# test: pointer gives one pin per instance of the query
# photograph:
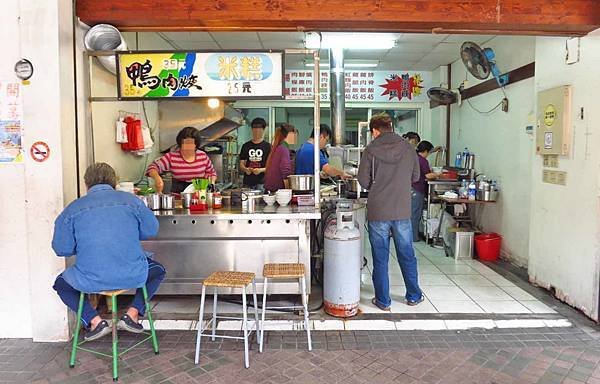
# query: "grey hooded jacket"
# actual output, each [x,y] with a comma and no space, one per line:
[388,168]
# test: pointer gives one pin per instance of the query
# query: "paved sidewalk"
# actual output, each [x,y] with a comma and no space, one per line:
[477,356]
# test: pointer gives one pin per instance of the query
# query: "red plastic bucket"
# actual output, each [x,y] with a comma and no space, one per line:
[487,246]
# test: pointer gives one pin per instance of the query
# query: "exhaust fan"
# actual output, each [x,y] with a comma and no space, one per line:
[105,37]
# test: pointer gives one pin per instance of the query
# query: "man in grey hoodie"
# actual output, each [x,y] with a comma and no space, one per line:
[388,168]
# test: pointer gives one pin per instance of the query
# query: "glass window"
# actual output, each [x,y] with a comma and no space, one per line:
[405,120]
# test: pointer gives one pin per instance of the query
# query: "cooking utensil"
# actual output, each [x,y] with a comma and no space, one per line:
[186,199]
[154,201]
[167,202]
[354,186]
[301,182]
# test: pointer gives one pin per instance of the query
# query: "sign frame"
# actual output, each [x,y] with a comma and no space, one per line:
[224,98]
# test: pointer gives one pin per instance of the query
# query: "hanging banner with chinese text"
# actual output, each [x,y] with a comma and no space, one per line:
[235,75]
[11,123]
[366,86]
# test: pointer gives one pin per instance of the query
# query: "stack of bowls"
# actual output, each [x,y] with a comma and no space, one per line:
[269,199]
[283,196]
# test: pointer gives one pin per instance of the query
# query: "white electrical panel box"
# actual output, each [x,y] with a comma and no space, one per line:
[553,136]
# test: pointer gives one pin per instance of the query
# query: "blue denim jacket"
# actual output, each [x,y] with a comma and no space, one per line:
[103,229]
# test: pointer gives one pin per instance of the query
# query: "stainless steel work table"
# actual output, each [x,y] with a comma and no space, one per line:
[193,245]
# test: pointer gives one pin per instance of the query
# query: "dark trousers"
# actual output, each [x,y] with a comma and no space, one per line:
[70,296]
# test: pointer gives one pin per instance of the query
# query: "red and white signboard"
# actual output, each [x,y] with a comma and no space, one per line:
[39,151]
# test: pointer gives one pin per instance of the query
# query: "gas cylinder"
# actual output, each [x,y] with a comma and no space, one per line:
[342,263]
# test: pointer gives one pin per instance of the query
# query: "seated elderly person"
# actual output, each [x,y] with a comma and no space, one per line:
[103,229]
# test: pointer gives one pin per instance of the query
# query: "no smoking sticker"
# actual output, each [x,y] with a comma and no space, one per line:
[39,151]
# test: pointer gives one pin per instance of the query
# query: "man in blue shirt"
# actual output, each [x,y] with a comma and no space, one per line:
[103,229]
[305,162]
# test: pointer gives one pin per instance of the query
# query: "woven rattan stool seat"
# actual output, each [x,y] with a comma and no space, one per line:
[229,279]
[283,271]
[115,292]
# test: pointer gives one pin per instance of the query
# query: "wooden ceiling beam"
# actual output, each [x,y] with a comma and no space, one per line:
[523,17]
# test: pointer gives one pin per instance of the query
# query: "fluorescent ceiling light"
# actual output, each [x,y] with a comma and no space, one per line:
[347,64]
[348,40]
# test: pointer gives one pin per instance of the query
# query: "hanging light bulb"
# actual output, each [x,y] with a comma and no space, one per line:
[213,103]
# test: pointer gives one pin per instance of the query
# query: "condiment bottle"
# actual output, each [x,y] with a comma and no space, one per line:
[217,201]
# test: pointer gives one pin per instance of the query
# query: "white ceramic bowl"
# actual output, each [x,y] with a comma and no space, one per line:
[269,199]
[283,201]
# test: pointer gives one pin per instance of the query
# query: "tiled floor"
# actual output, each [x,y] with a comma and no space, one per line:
[452,287]
[495,356]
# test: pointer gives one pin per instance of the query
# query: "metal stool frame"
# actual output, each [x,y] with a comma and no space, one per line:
[302,286]
[115,348]
[213,322]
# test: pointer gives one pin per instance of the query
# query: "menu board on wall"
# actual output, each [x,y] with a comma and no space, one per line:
[362,86]
[234,75]
[11,123]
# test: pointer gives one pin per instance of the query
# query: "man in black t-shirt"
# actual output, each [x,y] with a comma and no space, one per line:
[253,156]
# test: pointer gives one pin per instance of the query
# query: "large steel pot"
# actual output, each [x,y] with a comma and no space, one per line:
[301,182]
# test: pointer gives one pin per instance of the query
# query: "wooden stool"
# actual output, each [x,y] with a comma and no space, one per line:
[228,279]
[115,341]
[285,272]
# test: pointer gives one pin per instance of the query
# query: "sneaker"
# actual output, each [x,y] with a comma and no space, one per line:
[415,302]
[127,324]
[102,329]
[376,303]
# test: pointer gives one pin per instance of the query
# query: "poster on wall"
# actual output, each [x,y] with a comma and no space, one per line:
[230,75]
[363,86]
[11,123]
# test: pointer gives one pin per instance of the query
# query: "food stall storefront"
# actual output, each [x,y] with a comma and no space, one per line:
[193,244]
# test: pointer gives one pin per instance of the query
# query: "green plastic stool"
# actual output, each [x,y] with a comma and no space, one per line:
[115,341]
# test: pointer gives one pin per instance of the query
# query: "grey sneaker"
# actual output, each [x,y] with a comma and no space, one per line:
[127,324]
[101,330]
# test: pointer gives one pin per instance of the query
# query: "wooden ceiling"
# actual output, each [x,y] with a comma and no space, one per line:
[522,17]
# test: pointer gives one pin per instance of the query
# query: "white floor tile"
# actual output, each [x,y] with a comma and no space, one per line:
[558,323]
[396,279]
[450,306]
[428,279]
[280,325]
[445,261]
[518,293]
[537,306]
[229,325]
[328,325]
[180,305]
[499,281]
[366,325]
[457,269]
[426,325]
[468,324]
[520,323]
[429,269]
[399,306]
[471,281]
[501,306]
[445,293]
[184,325]
[486,293]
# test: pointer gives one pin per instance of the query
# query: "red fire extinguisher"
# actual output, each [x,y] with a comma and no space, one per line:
[135,139]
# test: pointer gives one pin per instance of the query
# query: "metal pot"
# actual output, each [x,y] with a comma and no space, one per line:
[186,199]
[154,201]
[301,182]
[167,202]
[354,186]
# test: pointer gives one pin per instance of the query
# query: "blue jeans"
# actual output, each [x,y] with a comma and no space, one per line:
[379,236]
[417,212]
[70,296]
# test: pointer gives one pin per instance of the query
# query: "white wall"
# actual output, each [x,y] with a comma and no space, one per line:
[564,249]
[33,193]
[503,150]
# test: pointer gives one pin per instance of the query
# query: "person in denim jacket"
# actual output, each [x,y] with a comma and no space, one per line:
[103,229]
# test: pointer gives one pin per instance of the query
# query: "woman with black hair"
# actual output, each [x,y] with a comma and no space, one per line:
[186,162]
[419,188]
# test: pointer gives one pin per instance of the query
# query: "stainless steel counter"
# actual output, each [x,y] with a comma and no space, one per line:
[193,245]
